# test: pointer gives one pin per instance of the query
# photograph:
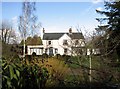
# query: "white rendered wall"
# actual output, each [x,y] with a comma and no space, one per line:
[58,44]
[61,46]
[38,49]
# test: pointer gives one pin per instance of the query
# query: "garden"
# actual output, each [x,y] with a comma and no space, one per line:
[57,72]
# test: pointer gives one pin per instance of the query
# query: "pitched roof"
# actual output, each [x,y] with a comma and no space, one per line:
[55,36]
[76,35]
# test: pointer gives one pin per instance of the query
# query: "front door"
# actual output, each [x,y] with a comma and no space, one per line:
[50,51]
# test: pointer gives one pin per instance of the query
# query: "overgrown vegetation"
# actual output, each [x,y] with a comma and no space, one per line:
[10,51]
[21,75]
[52,72]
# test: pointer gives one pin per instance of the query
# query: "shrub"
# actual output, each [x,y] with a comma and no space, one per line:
[10,75]
[23,75]
[58,56]
[34,76]
[57,69]
[66,57]
[45,55]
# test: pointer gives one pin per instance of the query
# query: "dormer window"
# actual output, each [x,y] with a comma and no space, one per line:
[65,42]
[49,42]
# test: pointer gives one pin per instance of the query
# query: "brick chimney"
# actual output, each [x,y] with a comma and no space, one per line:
[70,30]
[43,30]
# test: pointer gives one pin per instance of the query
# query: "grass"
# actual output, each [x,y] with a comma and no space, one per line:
[84,61]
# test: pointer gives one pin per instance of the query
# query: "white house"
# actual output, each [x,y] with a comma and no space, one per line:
[59,43]
[62,43]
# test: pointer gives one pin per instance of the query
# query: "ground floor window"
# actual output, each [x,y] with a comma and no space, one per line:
[46,50]
[56,50]
[65,50]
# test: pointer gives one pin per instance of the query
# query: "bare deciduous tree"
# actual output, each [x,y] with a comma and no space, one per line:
[27,21]
[7,32]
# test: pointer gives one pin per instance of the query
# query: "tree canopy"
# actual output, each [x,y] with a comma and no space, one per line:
[112,32]
[35,40]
